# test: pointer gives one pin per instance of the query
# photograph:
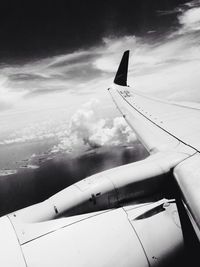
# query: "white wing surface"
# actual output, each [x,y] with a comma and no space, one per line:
[165,126]
[160,125]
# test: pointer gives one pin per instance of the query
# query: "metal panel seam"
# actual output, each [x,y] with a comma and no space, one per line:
[52,231]
[155,123]
[18,240]
[137,237]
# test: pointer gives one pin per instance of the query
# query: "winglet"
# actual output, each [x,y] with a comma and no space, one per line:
[121,75]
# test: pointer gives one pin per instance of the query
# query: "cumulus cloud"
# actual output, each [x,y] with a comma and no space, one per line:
[190,19]
[86,131]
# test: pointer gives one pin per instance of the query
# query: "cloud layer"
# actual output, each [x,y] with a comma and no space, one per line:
[78,71]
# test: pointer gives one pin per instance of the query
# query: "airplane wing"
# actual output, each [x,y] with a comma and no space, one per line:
[164,126]
[160,125]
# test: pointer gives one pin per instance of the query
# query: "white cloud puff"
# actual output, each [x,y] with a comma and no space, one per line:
[190,20]
[86,130]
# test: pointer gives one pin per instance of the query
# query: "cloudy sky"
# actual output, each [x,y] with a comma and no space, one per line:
[58,57]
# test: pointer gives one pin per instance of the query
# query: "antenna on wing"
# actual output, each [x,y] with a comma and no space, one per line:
[121,75]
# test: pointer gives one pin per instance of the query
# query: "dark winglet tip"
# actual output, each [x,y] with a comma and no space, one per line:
[122,72]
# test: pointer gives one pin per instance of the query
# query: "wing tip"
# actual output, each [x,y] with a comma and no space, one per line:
[122,72]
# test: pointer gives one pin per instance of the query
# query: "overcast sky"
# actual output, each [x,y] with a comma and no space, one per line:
[35,29]
[58,55]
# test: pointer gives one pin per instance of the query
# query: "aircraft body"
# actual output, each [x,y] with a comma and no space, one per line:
[132,215]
